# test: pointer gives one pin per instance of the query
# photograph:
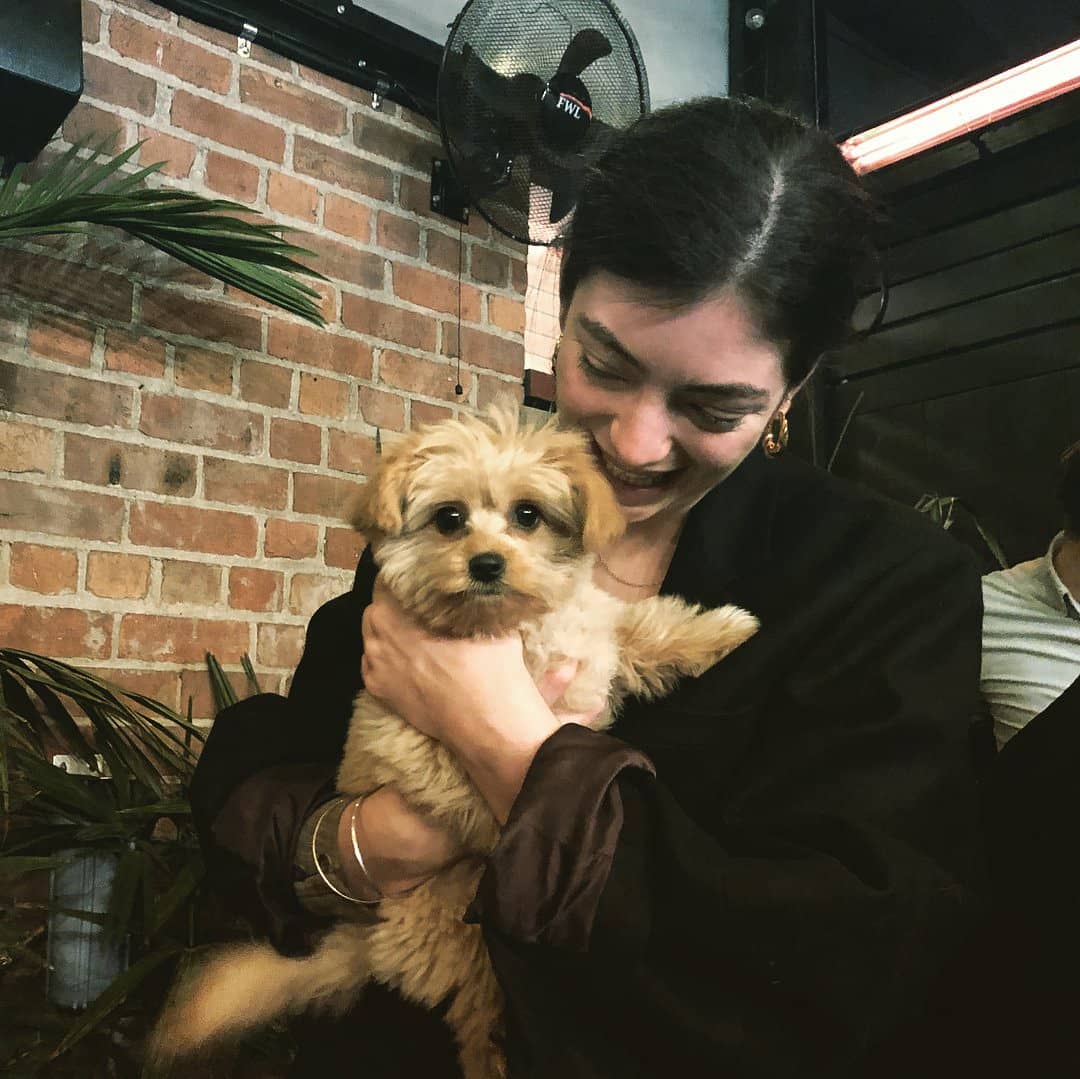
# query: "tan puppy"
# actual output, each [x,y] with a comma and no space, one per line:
[478,526]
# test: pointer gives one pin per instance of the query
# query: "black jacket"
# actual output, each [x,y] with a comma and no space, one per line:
[779,897]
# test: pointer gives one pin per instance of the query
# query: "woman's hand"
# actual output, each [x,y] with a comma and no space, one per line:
[472,694]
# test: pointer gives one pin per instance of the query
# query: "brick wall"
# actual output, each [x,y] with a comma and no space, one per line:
[174,457]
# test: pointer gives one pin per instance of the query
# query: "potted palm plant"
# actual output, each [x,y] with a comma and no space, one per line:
[84,188]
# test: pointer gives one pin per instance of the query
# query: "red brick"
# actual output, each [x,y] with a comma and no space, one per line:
[403,147]
[290,539]
[519,276]
[131,466]
[319,348]
[479,349]
[421,376]
[161,638]
[347,217]
[116,84]
[191,63]
[88,123]
[91,22]
[491,389]
[323,396]
[117,576]
[135,354]
[324,496]
[279,646]
[507,314]
[12,327]
[197,583]
[26,449]
[53,396]
[443,251]
[397,233]
[242,484]
[309,75]
[489,267]
[347,452]
[343,168]
[201,423]
[203,369]
[186,528]
[293,198]
[171,312]
[412,329]
[163,686]
[237,180]
[48,570]
[414,195]
[286,98]
[56,631]
[94,293]
[61,338]
[309,591]
[145,7]
[226,126]
[253,589]
[177,155]
[293,440]
[422,413]
[220,38]
[265,383]
[345,262]
[436,291]
[381,409]
[343,548]
[53,511]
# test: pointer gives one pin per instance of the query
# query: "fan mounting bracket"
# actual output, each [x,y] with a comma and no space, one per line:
[448,197]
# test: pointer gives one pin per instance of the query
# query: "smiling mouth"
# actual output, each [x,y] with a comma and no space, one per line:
[635,479]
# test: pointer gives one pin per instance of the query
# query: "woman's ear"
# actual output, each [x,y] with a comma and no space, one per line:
[377,506]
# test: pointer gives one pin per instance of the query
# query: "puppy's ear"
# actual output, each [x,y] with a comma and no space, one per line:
[594,501]
[377,506]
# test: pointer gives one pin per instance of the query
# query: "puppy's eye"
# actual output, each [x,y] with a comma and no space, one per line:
[449,519]
[526,516]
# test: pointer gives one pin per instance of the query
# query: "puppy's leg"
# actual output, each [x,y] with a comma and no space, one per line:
[243,987]
[475,1016]
[662,638]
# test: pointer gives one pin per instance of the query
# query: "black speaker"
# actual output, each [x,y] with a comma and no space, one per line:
[41,72]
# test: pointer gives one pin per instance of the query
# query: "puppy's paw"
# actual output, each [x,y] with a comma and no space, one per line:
[713,634]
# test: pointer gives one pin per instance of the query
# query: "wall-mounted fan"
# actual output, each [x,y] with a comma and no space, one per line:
[529,93]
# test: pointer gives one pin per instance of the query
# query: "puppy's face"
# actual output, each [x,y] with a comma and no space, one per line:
[476,523]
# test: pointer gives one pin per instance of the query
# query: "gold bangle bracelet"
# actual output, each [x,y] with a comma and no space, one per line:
[319,869]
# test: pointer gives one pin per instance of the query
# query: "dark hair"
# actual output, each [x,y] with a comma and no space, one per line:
[1069,488]
[729,191]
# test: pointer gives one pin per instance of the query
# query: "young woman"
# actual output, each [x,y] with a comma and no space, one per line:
[762,874]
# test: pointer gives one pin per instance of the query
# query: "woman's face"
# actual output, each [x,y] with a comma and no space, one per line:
[673,399]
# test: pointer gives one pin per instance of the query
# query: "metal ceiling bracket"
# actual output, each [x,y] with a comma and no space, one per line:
[246,36]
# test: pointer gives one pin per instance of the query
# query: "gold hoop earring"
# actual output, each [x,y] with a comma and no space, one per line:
[554,374]
[776,435]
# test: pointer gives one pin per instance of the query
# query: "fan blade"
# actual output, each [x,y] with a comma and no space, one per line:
[563,199]
[587,47]
[503,95]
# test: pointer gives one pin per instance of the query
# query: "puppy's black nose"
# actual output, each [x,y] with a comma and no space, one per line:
[488,566]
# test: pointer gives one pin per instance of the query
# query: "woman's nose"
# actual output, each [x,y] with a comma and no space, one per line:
[640,431]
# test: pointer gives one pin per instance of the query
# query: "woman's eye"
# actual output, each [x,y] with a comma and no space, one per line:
[713,421]
[449,519]
[526,516]
[596,371]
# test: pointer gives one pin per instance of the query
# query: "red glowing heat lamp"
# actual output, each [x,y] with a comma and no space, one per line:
[966,111]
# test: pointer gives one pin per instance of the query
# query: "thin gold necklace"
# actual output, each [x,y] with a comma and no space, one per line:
[623,580]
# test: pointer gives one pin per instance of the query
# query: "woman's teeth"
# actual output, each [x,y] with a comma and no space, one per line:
[636,479]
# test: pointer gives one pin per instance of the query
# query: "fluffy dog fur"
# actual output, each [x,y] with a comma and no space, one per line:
[440,497]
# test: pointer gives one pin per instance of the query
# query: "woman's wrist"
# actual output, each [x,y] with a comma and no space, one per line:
[498,750]
[397,849]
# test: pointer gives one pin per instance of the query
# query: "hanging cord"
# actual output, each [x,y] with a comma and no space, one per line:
[460,263]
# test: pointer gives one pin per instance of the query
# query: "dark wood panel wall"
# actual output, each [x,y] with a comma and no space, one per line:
[971,384]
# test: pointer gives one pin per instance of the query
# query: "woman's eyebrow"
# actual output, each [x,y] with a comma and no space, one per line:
[732,391]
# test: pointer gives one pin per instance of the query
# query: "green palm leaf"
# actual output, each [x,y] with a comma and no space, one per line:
[80,190]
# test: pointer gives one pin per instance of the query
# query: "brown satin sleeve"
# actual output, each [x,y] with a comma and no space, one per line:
[253,848]
[545,880]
